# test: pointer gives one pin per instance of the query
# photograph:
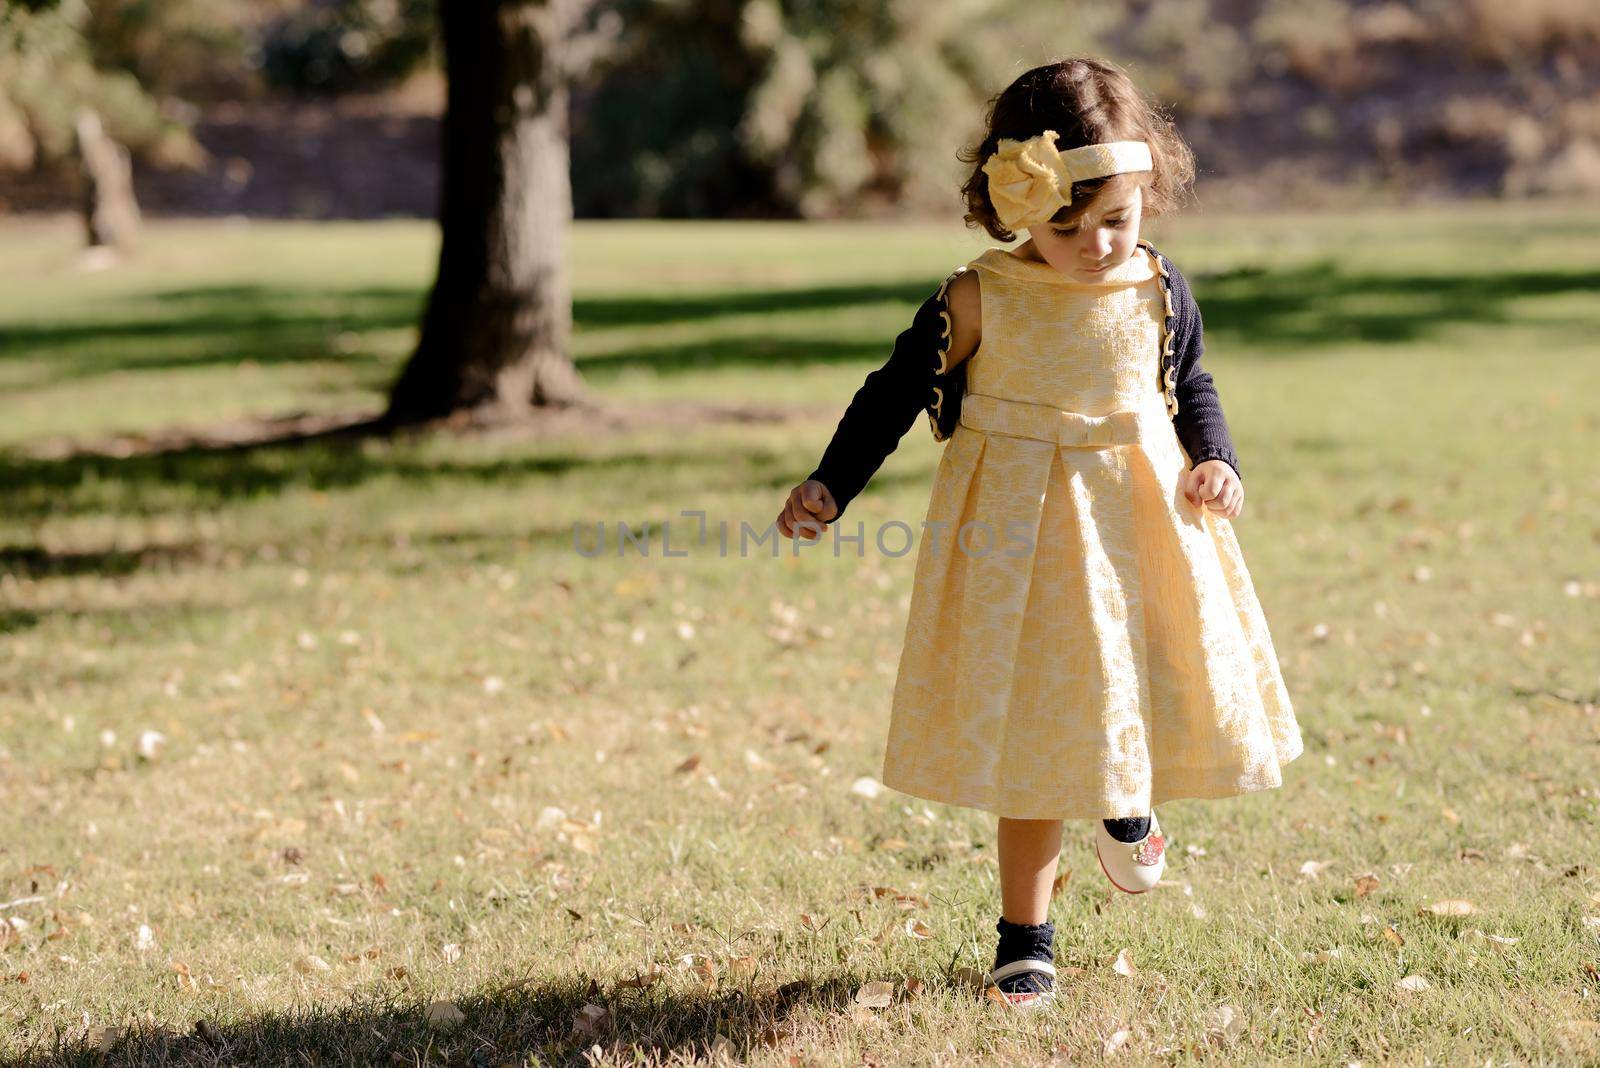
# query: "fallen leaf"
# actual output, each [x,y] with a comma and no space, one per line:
[643,979]
[1452,907]
[1123,965]
[877,994]
[1412,982]
[150,744]
[444,1012]
[866,786]
[1117,1040]
[1494,940]
[107,1037]
[917,929]
[311,963]
[1322,956]
[969,978]
[1313,868]
[591,1020]
[1225,1022]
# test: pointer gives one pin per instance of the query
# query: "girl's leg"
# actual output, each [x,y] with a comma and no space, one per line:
[1029,851]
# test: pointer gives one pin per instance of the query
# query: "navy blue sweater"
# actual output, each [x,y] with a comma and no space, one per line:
[887,403]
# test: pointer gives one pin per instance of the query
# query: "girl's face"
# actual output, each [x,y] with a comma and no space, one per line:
[1102,237]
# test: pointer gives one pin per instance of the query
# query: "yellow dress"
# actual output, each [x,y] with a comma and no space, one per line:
[1082,642]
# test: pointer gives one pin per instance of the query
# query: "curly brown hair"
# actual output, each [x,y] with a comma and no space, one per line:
[1086,101]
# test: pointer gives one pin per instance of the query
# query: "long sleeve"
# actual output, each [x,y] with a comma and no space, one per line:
[885,406]
[1200,423]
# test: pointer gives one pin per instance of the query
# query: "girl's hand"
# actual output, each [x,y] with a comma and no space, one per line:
[1217,485]
[808,501]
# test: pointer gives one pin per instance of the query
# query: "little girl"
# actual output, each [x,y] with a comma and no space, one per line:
[1083,640]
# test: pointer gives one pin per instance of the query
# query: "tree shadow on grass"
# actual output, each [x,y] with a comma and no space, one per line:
[543,1019]
[1289,309]
[166,478]
[1319,304]
[225,325]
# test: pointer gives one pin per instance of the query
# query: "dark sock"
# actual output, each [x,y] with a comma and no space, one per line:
[1130,829]
[1022,941]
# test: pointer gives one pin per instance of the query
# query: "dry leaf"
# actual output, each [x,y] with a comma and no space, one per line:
[1225,1022]
[1116,1041]
[706,971]
[641,979]
[591,1020]
[866,786]
[969,978]
[311,963]
[1498,941]
[444,1012]
[877,994]
[1313,868]
[1123,965]
[812,923]
[150,744]
[1366,883]
[1322,956]
[107,1037]
[1452,907]
[1412,982]
[917,929]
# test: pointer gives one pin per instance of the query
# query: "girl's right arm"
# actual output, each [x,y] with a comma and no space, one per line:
[888,402]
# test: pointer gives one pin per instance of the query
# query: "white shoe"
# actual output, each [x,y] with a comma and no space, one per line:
[1133,867]
[1025,999]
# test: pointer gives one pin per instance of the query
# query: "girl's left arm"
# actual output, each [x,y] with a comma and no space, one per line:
[1200,424]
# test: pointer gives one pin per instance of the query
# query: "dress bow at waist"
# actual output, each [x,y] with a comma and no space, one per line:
[999,415]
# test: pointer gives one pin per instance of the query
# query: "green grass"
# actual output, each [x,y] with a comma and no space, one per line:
[382,668]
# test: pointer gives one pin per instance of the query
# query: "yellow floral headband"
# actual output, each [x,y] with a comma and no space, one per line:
[1029,181]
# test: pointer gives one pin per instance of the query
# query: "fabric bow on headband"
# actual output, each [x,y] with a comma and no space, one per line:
[1029,181]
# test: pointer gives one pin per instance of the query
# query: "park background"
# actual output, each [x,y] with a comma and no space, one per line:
[319,742]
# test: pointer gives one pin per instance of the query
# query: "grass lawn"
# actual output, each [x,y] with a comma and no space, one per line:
[428,785]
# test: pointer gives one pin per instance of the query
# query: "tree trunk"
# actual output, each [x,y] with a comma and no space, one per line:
[110,211]
[495,334]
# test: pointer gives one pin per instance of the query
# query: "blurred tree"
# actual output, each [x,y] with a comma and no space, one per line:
[56,102]
[192,50]
[495,333]
[333,46]
[805,107]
